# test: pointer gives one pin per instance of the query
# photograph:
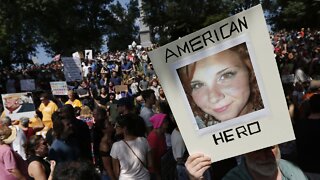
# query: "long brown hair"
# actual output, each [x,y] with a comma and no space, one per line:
[186,74]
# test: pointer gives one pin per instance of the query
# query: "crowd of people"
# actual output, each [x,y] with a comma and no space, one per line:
[117,124]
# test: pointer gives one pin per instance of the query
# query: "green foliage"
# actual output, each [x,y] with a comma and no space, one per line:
[171,19]
[295,14]
[17,37]
[123,29]
[63,26]
[66,26]
[69,26]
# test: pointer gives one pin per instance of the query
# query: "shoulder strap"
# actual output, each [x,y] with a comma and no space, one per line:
[134,153]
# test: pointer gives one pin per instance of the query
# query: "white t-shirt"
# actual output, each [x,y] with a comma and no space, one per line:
[130,166]
[19,142]
[134,87]
[146,114]
[178,146]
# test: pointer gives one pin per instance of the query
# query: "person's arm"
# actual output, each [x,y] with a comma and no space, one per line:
[140,86]
[36,170]
[196,165]
[40,127]
[106,158]
[116,167]
[52,167]
[150,160]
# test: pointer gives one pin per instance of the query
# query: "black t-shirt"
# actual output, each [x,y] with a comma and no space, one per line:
[45,164]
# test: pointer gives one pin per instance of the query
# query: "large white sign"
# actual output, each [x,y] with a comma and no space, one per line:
[88,54]
[72,68]
[59,88]
[224,88]
[17,105]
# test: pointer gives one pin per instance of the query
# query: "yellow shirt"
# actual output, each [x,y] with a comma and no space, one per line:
[47,112]
[75,103]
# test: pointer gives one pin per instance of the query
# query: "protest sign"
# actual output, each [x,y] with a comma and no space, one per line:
[17,105]
[59,88]
[72,68]
[27,85]
[121,88]
[224,89]
[88,54]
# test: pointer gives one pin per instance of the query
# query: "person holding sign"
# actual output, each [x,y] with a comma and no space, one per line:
[257,165]
[222,85]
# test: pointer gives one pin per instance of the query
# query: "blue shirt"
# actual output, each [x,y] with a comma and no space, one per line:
[60,151]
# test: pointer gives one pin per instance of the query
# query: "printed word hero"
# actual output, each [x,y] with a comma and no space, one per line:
[238,132]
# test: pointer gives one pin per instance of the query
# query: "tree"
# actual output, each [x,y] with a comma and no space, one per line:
[69,26]
[171,19]
[123,28]
[59,26]
[294,14]
[17,31]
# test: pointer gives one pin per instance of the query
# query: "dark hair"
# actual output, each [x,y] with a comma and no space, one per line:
[133,122]
[147,93]
[44,95]
[100,116]
[67,111]
[75,170]
[32,144]
[58,126]
[315,103]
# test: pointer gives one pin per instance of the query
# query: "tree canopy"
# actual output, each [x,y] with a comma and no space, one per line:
[171,19]
[67,26]
[63,27]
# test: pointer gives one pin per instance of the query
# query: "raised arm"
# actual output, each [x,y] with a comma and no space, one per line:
[196,165]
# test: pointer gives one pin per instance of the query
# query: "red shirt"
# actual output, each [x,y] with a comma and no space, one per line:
[159,148]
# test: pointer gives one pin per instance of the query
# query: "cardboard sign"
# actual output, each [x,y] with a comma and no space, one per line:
[72,68]
[224,88]
[27,85]
[59,88]
[121,88]
[17,105]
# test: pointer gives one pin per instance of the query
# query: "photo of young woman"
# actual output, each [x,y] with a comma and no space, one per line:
[222,86]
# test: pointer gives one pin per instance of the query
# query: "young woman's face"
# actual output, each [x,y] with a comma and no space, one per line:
[220,85]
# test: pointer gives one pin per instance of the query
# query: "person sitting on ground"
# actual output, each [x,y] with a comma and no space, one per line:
[263,164]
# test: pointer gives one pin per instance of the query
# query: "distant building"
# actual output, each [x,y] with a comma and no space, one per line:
[144,29]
